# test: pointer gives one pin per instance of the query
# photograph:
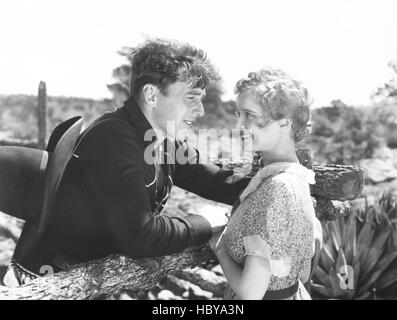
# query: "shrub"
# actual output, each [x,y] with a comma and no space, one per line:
[359,253]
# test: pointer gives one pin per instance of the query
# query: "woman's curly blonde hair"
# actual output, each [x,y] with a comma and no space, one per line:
[281,96]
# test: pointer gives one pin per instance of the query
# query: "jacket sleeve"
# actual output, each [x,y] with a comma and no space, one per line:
[205,180]
[113,167]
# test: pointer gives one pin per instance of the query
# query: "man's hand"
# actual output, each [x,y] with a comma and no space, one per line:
[235,177]
[216,216]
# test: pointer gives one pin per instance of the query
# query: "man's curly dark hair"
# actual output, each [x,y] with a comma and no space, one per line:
[163,62]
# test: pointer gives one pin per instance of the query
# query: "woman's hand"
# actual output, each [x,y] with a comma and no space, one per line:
[217,243]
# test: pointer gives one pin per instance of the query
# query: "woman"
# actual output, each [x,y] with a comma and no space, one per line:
[266,250]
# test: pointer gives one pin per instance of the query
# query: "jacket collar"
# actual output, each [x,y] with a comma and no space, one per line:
[139,121]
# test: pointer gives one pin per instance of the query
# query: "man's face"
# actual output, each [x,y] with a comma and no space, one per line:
[178,108]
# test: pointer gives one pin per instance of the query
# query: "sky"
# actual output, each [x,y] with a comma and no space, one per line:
[339,49]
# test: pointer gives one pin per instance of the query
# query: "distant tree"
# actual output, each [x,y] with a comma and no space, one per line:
[18,112]
[385,100]
[218,113]
[122,75]
[345,134]
[389,89]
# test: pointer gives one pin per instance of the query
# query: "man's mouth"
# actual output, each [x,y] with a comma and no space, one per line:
[189,123]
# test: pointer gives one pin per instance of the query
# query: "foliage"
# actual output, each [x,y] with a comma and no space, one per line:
[344,134]
[18,113]
[389,89]
[364,241]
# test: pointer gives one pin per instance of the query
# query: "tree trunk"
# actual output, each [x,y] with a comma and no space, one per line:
[103,277]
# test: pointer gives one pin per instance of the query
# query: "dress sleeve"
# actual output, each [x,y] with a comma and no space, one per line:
[273,230]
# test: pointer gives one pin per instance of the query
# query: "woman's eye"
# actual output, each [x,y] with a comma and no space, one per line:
[249,116]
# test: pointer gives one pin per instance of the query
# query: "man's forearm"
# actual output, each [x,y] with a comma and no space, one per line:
[164,235]
[208,181]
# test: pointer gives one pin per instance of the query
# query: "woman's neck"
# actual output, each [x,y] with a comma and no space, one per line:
[286,155]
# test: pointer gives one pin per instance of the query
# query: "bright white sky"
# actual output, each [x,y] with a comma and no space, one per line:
[339,49]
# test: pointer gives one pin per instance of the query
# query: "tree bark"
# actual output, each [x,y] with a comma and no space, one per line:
[331,209]
[103,277]
[337,182]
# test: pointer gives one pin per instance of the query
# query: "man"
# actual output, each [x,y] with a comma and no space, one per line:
[111,194]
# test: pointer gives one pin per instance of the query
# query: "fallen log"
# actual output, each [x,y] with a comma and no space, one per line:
[104,277]
[185,288]
[334,182]
[328,210]
[203,278]
[178,286]
[337,182]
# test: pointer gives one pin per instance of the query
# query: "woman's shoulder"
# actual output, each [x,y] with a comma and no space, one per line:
[277,185]
[272,194]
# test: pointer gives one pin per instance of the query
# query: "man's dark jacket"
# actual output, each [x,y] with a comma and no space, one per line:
[107,199]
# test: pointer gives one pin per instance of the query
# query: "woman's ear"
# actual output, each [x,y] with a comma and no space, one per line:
[149,93]
[285,122]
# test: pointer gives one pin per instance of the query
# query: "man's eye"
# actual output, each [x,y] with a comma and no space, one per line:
[237,114]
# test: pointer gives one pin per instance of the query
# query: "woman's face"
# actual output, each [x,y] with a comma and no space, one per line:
[262,131]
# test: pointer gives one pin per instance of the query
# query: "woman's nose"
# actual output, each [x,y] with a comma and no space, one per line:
[240,124]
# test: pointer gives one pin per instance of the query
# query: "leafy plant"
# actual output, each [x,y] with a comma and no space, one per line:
[359,253]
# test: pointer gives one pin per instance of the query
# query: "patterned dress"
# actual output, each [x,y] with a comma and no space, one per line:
[276,221]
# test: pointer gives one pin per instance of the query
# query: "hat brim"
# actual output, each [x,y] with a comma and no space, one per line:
[62,142]
[58,160]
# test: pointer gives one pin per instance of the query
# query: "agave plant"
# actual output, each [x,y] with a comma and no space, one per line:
[359,253]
